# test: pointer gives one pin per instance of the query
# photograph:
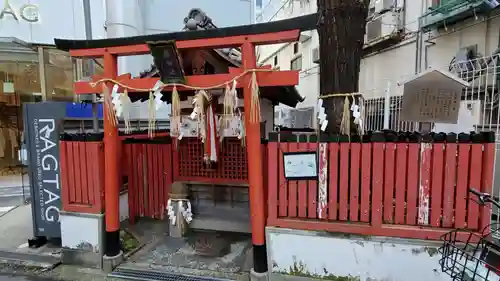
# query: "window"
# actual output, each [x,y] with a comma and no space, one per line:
[296,63]
[295,48]
[275,60]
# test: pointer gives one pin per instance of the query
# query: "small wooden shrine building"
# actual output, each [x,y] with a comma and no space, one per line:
[211,75]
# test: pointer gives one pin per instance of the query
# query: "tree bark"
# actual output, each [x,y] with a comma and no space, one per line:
[341,31]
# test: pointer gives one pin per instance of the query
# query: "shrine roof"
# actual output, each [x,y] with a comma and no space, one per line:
[303,23]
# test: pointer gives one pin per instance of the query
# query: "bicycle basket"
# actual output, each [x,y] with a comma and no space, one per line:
[469,256]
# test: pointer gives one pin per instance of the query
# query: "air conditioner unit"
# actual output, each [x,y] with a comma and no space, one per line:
[382,27]
[315,55]
[382,6]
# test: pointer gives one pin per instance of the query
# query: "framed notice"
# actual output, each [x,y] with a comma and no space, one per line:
[300,165]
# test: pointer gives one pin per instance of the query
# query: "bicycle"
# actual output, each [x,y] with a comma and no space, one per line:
[475,257]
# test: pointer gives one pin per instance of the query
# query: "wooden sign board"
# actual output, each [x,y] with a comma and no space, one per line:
[433,96]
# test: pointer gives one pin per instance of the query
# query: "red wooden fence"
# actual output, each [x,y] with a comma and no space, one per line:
[150,178]
[412,190]
[82,176]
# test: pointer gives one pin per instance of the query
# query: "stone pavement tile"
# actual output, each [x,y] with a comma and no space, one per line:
[16,228]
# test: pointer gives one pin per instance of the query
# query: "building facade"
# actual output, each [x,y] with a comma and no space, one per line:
[403,38]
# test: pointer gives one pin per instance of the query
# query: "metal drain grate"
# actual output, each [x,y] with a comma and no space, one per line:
[146,275]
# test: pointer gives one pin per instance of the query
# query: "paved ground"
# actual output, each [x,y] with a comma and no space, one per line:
[14,191]
[8,277]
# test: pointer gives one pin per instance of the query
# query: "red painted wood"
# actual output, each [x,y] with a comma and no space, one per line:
[156,181]
[487,183]
[450,173]
[292,188]
[71,172]
[476,167]
[175,154]
[354,184]
[438,165]
[82,159]
[148,185]
[78,172]
[366,178]
[377,184]
[389,177]
[93,186]
[462,185]
[411,232]
[333,180]
[302,186]
[140,179]
[344,182]
[400,184]
[273,179]
[162,184]
[312,185]
[424,190]
[131,187]
[283,186]
[65,185]
[323,181]
[412,183]
[132,181]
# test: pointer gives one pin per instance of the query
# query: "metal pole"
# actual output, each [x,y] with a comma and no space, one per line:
[387,105]
[88,35]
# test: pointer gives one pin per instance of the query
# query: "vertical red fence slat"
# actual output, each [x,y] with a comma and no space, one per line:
[168,174]
[71,172]
[156,181]
[312,185]
[78,171]
[412,183]
[390,163]
[487,181]
[140,179]
[333,166]
[82,157]
[366,178]
[131,184]
[273,180]
[65,178]
[292,187]
[401,182]
[436,211]
[450,171]
[377,184]
[424,187]
[283,185]
[344,181]
[354,184]
[462,185]
[149,185]
[476,166]
[93,175]
[302,185]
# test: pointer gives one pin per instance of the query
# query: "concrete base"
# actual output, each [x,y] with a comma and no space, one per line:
[80,257]
[255,276]
[110,263]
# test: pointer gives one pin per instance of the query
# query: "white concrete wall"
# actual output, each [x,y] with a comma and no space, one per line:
[330,256]
[82,232]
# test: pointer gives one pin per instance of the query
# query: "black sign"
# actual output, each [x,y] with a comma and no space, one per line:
[42,125]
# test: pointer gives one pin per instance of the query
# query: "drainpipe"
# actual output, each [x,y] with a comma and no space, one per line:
[88,36]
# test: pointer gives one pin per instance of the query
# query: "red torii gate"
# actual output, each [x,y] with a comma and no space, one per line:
[110,50]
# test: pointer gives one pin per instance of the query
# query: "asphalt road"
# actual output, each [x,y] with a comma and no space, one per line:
[11,197]
[8,277]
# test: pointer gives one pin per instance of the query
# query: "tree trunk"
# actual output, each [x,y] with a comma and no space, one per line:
[341,33]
